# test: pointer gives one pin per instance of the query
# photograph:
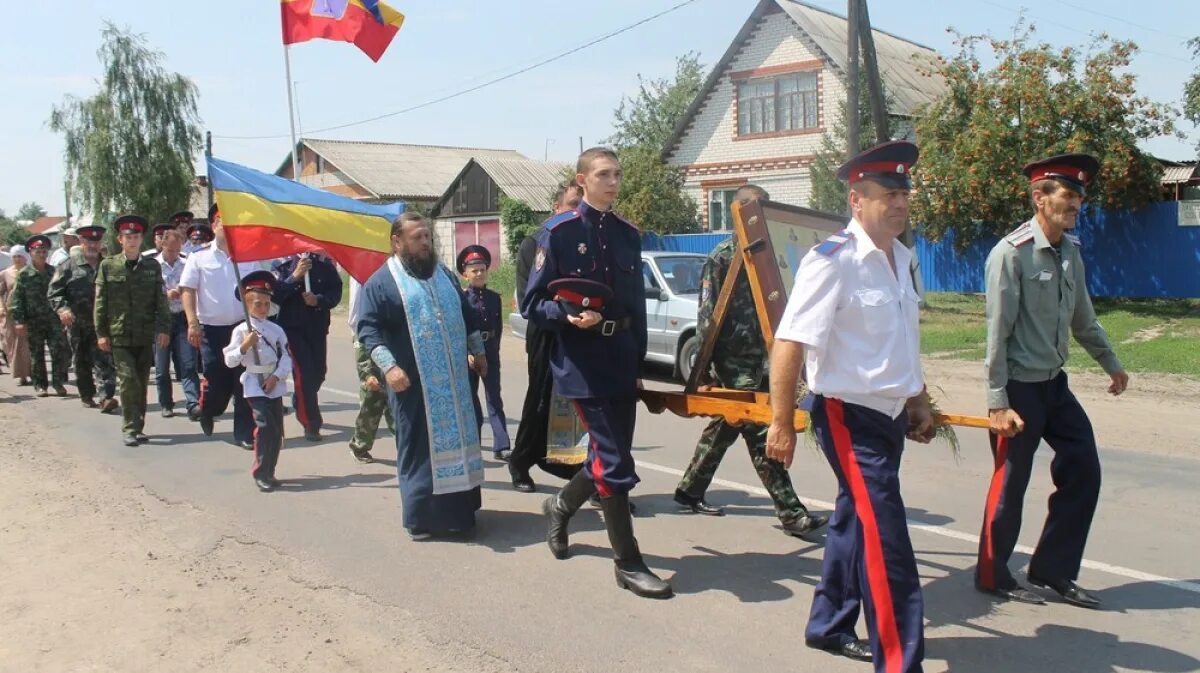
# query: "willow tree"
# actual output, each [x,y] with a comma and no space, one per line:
[129,148]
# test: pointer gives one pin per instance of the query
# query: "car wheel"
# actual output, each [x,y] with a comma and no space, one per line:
[686,359]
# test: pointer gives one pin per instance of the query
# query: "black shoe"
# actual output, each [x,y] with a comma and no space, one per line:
[502,455]
[88,402]
[193,414]
[264,485]
[312,435]
[141,437]
[41,392]
[365,458]
[1068,590]
[803,525]
[1016,593]
[521,480]
[249,446]
[206,425]
[630,569]
[130,440]
[419,534]
[60,391]
[168,413]
[858,650]
[559,509]
[694,505]
[275,483]
[109,405]
[24,382]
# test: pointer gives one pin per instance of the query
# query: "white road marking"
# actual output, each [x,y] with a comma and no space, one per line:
[1119,571]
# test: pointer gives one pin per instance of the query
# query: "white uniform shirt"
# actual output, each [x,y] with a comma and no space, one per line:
[273,358]
[171,273]
[355,309]
[58,256]
[210,273]
[858,321]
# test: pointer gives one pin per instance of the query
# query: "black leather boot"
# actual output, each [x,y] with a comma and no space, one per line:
[631,570]
[561,507]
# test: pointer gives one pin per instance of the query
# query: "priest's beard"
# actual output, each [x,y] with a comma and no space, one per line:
[420,263]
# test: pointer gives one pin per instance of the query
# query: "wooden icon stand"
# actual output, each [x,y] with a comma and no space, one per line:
[772,239]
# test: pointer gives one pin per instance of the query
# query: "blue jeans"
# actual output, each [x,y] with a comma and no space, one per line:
[183,355]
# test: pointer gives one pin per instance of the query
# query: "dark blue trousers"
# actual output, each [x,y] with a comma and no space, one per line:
[869,559]
[222,383]
[308,348]
[495,405]
[609,423]
[180,353]
[268,434]
[1052,413]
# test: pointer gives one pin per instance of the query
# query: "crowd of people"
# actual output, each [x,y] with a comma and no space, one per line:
[424,343]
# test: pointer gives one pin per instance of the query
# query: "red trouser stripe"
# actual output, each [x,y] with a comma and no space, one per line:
[987,558]
[597,466]
[877,572]
[301,401]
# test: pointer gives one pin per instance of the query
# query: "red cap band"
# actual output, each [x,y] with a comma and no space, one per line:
[582,300]
[473,257]
[1059,171]
[866,170]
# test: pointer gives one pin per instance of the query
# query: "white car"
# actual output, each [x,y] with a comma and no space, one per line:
[672,283]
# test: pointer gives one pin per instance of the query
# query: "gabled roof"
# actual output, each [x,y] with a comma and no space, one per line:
[525,180]
[45,224]
[398,171]
[1179,172]
[900,60]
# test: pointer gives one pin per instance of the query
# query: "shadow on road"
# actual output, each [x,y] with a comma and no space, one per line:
[1055,647]
[302,484]
[505,532]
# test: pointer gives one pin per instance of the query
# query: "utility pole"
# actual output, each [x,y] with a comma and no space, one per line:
[879,114]
[208,154]
[852,26]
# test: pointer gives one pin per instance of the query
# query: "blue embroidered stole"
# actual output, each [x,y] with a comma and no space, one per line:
[439,342]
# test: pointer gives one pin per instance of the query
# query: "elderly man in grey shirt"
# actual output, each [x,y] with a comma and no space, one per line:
[1036,294]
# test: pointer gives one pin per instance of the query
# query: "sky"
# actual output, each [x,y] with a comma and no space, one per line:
[233,51]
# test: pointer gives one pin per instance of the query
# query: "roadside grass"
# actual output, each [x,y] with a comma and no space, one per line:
[1149,335]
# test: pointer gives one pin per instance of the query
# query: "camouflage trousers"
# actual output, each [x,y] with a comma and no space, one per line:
[43,337]
[92,365]
[133,374]
[716,440]
[372,407]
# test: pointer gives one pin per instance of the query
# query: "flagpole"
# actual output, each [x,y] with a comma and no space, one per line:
[287,69]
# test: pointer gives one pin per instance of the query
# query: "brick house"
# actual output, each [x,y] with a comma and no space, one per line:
[761,114]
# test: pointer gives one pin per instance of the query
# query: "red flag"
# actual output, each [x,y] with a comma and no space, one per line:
[369,24]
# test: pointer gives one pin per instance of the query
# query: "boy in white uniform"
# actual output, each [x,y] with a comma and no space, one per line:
[264,380]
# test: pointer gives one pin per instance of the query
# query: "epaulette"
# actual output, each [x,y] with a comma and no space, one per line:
[1020,236]
[1073,238]
[560,218]
[834,243]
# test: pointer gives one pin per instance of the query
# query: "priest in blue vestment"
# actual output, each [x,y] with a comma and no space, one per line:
[419,329]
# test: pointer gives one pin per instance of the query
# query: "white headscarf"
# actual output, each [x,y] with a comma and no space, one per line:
[20,251]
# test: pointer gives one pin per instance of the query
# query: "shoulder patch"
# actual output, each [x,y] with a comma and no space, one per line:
[1074,239]
[834,243]
[540,259]
[561,218]
[1020,236]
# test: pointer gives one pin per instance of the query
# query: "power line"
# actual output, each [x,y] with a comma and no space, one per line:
[477,87]
[1085,8]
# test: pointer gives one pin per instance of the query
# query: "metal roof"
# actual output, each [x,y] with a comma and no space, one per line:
[528,180]
[900,60]
[1184,172]
[393,170]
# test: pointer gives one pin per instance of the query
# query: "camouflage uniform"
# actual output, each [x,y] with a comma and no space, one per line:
[31,308]
[372,405]
[131,310]
[73,288]
[739,362]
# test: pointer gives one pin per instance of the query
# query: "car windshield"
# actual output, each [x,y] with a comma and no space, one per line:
[682,273]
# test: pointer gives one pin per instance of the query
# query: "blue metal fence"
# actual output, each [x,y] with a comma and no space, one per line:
[1140,253]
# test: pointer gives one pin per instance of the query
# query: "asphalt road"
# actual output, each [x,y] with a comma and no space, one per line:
[743,588]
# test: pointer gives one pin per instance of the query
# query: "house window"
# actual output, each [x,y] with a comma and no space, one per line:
[770,104]
[320,164]
[720,215]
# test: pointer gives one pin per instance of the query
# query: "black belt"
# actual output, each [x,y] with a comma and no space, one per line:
[611,327]
[490,335]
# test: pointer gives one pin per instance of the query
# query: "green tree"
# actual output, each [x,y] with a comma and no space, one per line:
[11,233]
[1191,90]
[519,221]
[129,148]
[828,193]
[1036,101]
[30,211]
[652,192]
